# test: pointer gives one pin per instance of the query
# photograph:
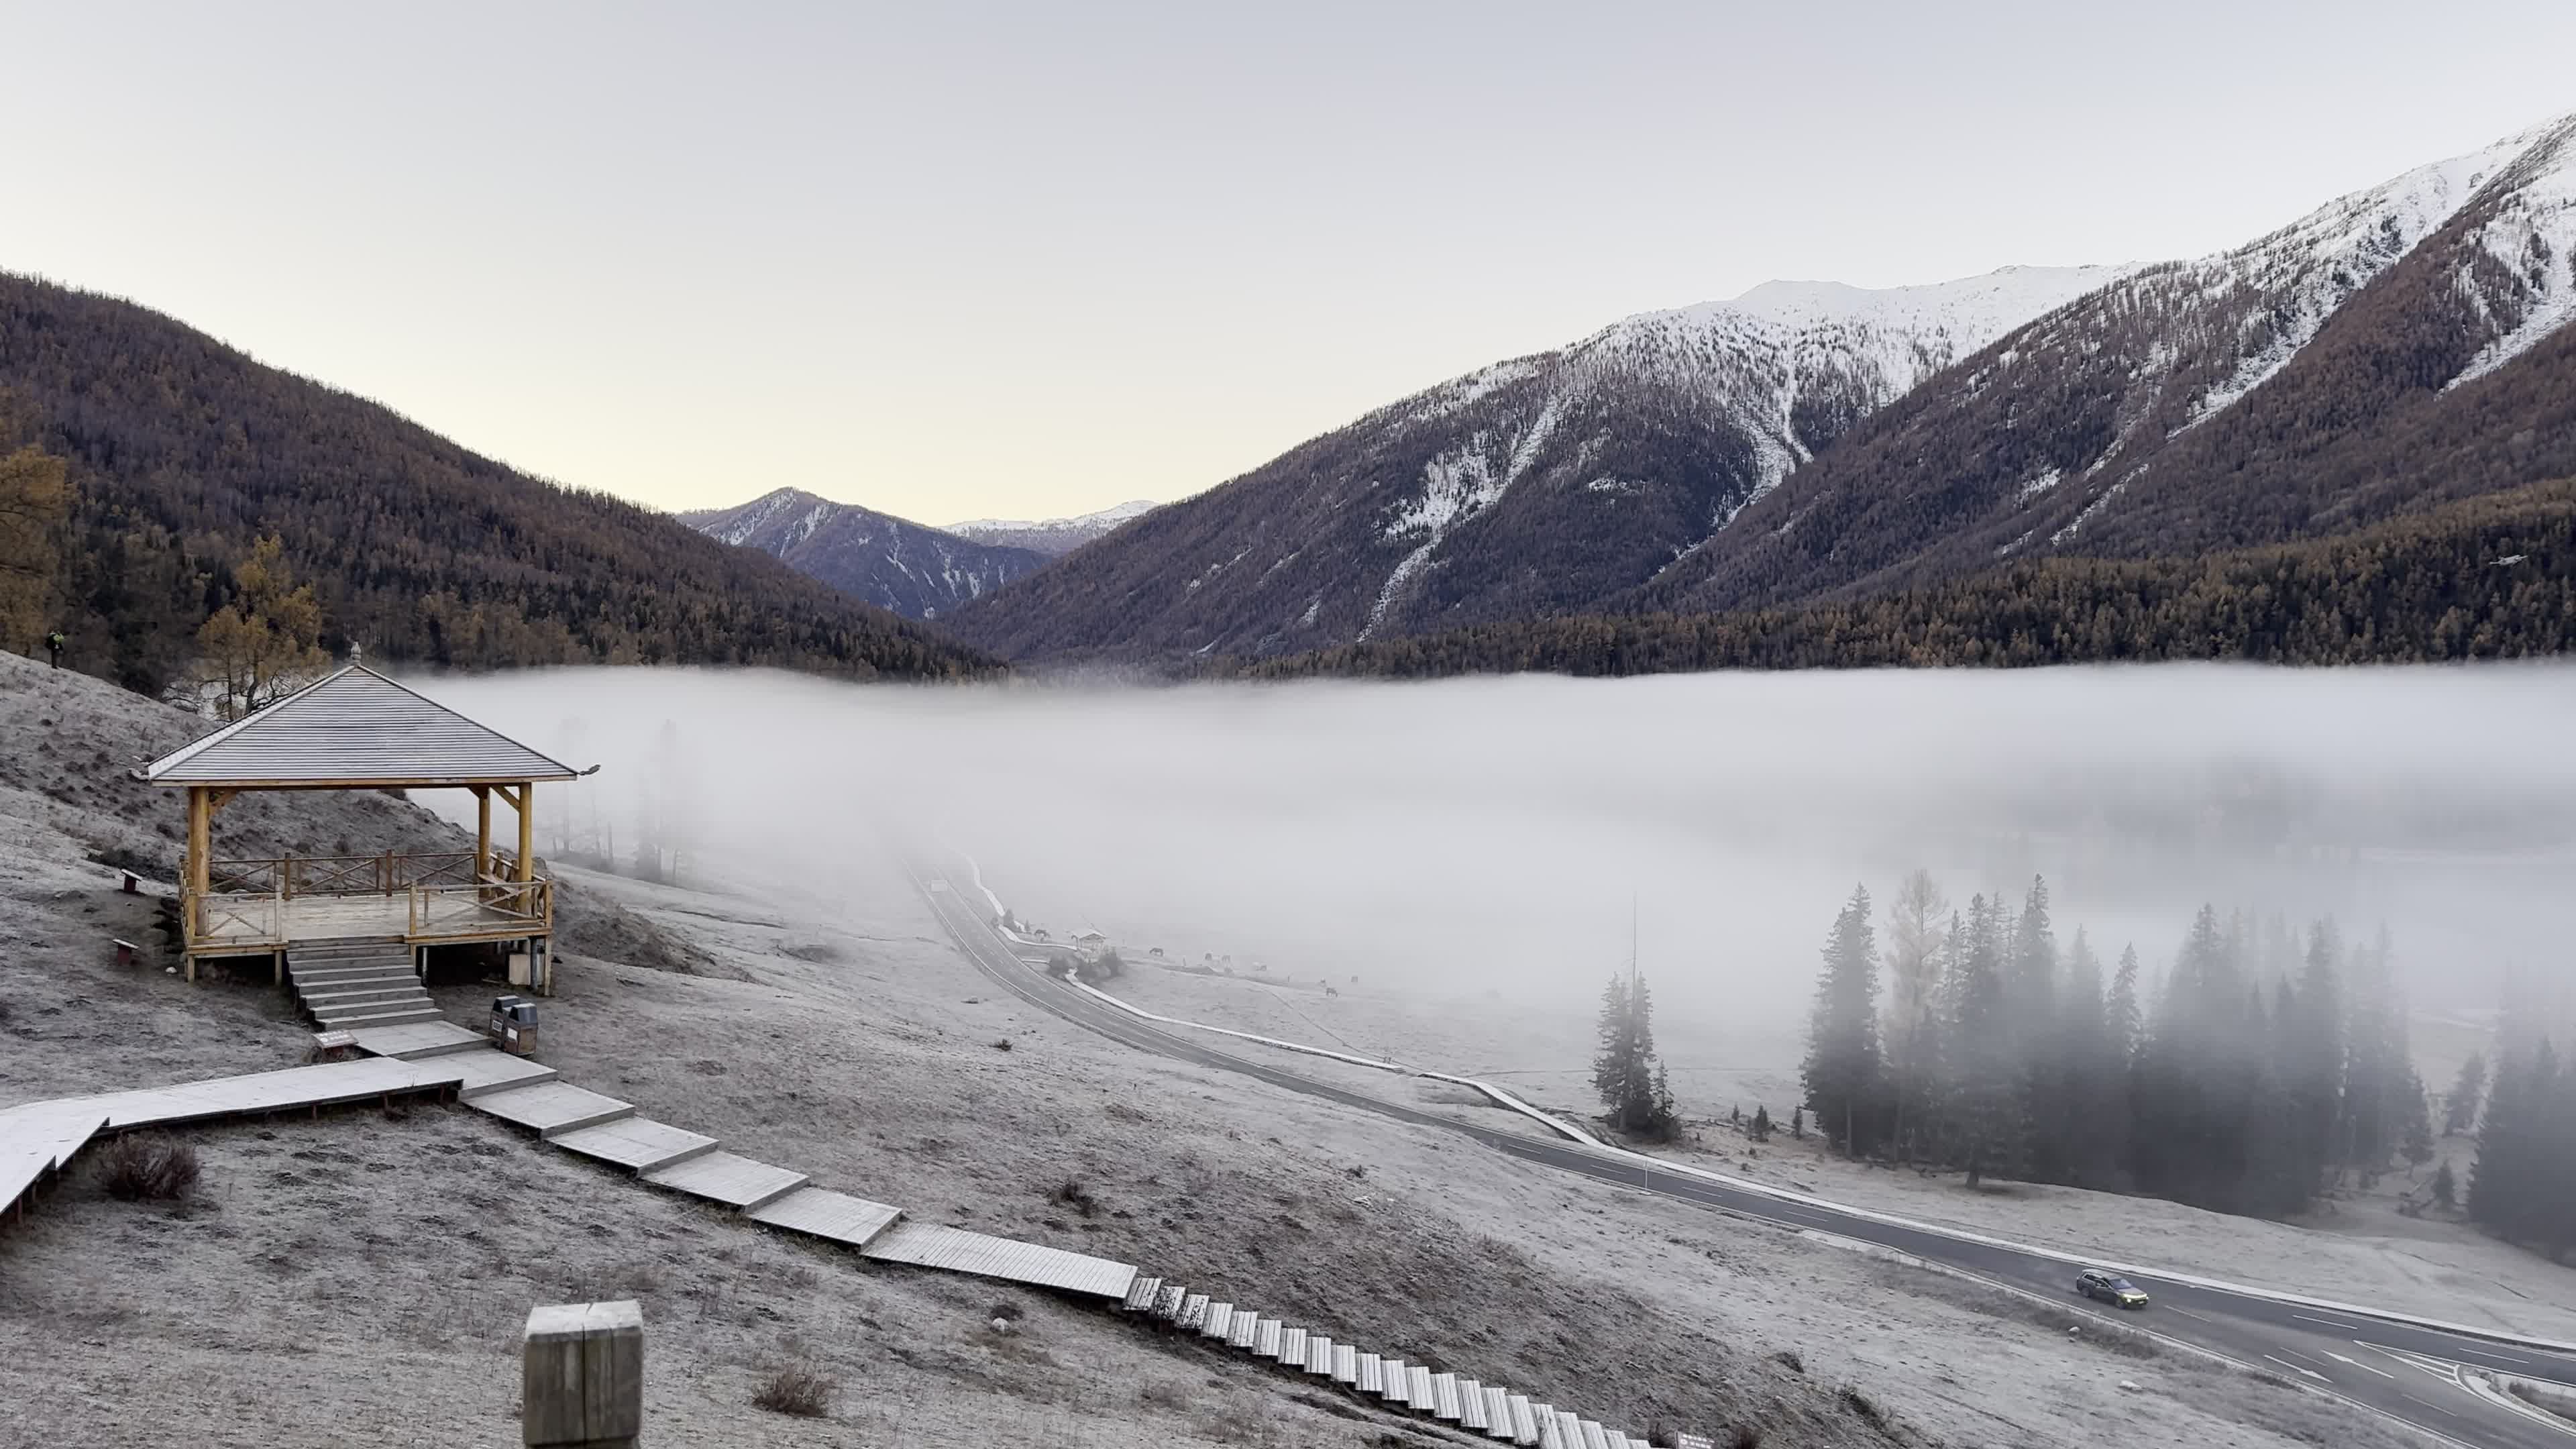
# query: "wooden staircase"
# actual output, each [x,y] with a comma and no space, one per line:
[349,985]
[1462,1403]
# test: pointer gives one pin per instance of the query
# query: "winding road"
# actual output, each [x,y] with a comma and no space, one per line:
[2423,1376]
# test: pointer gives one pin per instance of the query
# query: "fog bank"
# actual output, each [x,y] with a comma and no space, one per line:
[1492,834]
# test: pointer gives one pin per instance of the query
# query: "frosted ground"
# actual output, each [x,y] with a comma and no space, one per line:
[366,1272]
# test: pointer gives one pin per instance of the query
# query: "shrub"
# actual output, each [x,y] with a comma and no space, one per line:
[1074,1195]
[148,1165]
[1867,1408]
[1001,1043]
[1746,1437]
[798,1390]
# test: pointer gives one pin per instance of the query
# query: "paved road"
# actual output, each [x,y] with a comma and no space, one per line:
[2410,1374]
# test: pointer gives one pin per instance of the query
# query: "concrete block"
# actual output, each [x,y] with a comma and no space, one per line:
[583,1376]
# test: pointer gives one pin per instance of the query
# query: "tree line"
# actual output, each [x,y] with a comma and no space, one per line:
[2262,1067]
[2492,577]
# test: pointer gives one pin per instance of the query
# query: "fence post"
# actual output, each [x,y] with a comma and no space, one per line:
[582,1376]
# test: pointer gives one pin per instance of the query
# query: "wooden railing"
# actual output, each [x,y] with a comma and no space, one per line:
[289,876]
[234,917]
[494,907]
[252,905]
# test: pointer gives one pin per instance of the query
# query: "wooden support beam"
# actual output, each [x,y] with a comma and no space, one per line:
[192,905]
[527,832]
[482,832]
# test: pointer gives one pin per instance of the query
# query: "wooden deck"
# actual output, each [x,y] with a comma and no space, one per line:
[251,925]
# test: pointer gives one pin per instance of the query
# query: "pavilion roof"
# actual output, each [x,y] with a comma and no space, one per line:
[355,729]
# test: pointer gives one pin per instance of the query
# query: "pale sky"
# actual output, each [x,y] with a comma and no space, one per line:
[956,261]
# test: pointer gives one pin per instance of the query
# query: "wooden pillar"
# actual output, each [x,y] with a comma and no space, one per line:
[192,907]
[527,832]
[582,1376]
[482,833]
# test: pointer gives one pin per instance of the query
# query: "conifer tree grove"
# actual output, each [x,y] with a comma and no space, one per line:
[2271,1062]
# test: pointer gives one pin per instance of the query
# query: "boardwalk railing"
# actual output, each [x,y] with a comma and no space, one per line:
[289,876]
[236,917]
[522,907]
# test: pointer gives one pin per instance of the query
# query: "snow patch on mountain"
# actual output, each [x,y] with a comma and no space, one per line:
[2533,237]
[2302,273]
[1052,535]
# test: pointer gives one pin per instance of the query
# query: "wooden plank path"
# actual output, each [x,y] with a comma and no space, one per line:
[930,1246]
[737,1182]
[39,1138]
[1473,1405]
[827,1214]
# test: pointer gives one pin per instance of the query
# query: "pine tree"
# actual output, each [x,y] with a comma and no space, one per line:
[2314,1048]
[2032,990]
[1761,1124]
[2120,1015]
[1842,1070]
[1914,956]
[2097,1072]
[2468,1090]
[1625,1071]
[2446,1190]
[1986,1092]
[2418,1145]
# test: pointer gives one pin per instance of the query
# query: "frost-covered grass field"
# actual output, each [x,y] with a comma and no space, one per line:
[360,1272]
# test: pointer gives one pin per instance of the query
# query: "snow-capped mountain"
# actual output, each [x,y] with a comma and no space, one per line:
[2313,379]
[915,571]
[1050,536]
[2395,348]
[1537,484]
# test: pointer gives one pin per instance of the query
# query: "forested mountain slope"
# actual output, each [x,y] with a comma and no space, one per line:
[182,451]
[913,570]
[1532,486]
[2492,577]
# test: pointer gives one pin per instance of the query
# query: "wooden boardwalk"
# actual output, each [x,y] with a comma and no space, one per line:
[930,1246]
[1468,1404]
[39,1138]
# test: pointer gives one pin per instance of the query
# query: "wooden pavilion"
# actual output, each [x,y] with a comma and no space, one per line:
[358,730]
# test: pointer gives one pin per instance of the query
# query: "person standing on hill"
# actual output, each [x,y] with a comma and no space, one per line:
[54,647]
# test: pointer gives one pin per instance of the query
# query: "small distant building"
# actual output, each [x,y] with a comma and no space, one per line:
[1091,944]
[358,730]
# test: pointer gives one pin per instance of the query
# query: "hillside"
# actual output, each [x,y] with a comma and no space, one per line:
[899,566]
[1054,537]
[364,1272]
[2394,349]
[2486,578]
[182,451]
[1533,486]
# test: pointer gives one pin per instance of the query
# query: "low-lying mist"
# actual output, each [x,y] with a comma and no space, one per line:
[1493,835]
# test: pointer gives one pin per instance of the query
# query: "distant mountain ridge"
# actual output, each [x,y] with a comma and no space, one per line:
[913,570]
[1053,537]
[1531,486]
[2390,350]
